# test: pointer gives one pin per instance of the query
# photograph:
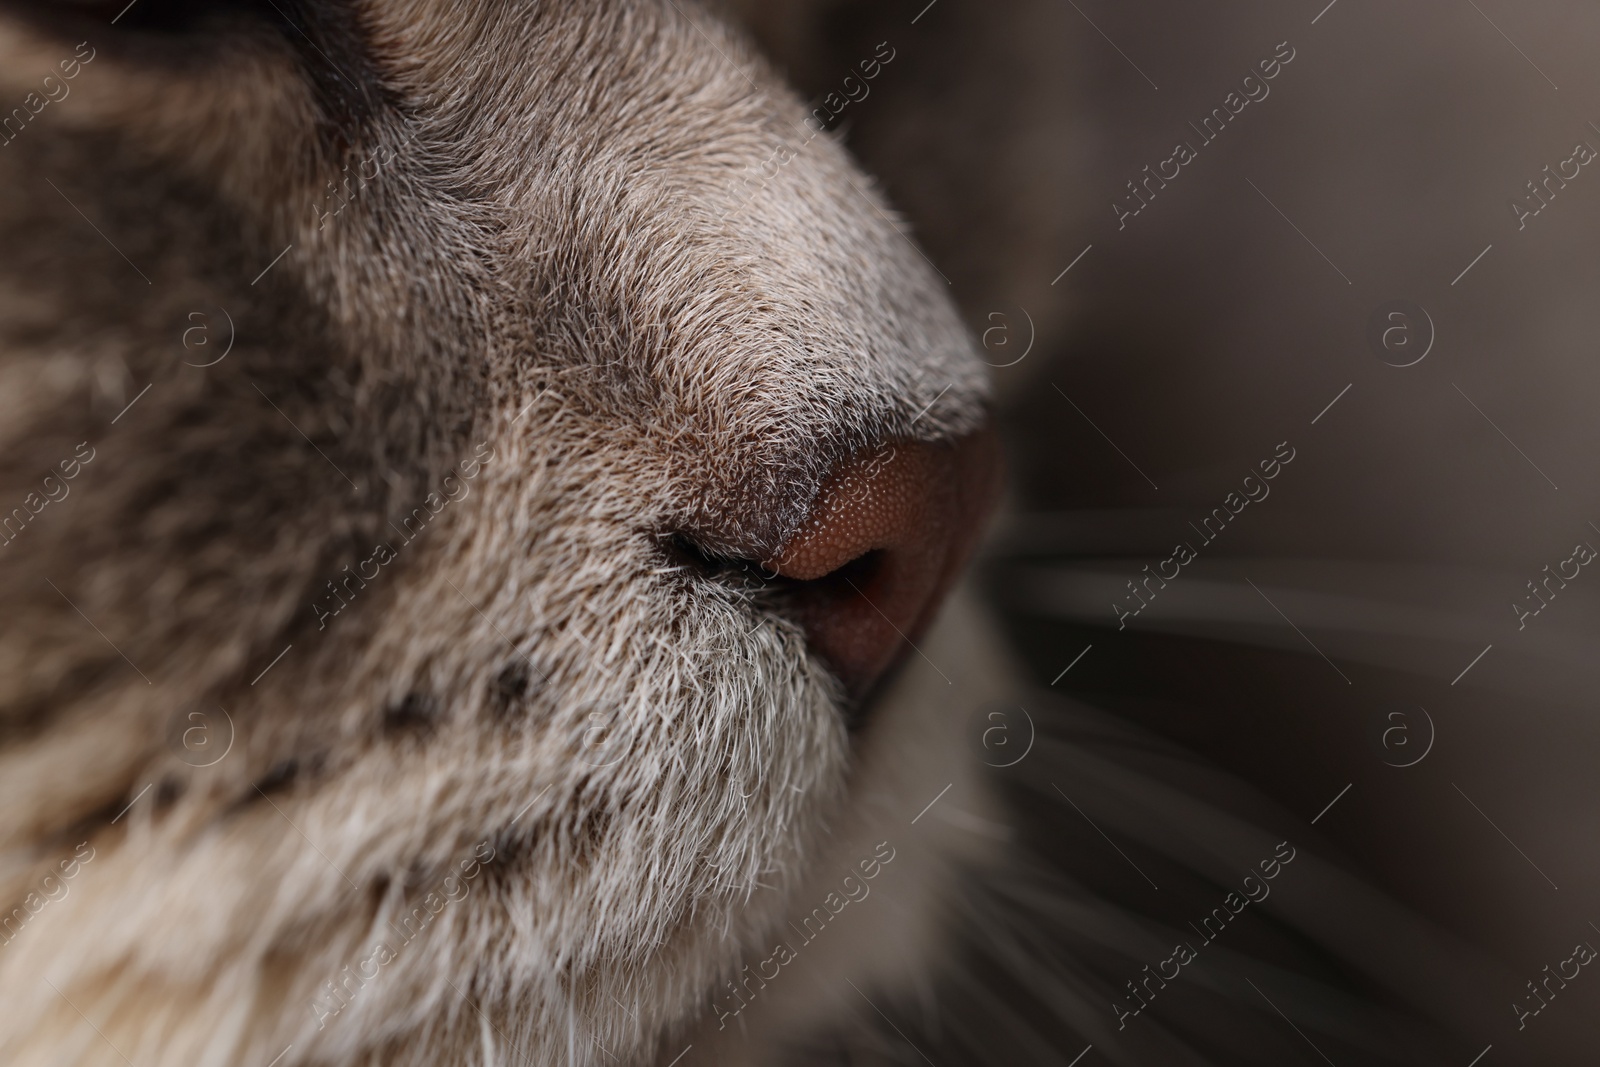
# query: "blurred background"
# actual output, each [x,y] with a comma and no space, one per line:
[1198,236]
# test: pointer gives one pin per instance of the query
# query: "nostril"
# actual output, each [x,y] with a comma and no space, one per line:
[865,571]
[886,536]
[857,578]
[859,572]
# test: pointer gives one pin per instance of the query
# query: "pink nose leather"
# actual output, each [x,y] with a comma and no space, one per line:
[888,533]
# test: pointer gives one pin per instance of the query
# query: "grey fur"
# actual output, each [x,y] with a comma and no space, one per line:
[542,273]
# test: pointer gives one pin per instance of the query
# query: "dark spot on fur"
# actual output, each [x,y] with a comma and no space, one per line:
[278,778]
[417,713]
[509,689]
[512,846]
[591,836]
[168,792]
[423,877]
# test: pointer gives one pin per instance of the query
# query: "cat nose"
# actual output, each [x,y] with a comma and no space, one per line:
[886,537]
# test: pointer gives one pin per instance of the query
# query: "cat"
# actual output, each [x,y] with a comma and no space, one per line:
[406,654]
[449,644]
